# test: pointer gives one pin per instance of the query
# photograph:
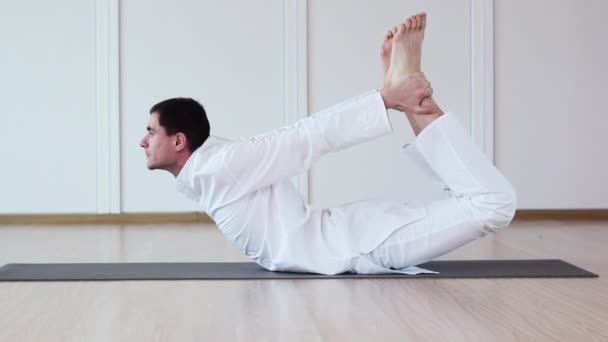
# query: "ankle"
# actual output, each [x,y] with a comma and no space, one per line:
[420,121]
[423,120]
[430,103]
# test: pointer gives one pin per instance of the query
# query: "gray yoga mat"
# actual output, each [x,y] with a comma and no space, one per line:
[250,270]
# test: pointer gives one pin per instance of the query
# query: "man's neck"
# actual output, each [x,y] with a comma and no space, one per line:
[179,165]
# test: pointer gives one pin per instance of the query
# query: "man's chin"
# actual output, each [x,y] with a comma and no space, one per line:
[155,166]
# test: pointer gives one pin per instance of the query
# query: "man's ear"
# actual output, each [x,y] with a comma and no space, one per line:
[181,142]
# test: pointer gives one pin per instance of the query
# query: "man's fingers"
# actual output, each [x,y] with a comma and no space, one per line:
[418,109]
[426,92]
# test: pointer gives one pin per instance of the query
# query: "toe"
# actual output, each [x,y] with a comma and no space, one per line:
[423,16]
[401,29]
[408,24]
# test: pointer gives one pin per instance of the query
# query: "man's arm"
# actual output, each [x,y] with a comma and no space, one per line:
[289,151]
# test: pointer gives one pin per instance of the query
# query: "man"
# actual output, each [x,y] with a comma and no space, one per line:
[244,184]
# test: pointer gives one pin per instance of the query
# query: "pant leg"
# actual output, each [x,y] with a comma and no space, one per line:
[478,199]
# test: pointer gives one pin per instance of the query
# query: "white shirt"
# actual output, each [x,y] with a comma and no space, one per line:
[244,186]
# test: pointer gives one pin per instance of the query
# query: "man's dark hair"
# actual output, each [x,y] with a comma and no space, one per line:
[183,115]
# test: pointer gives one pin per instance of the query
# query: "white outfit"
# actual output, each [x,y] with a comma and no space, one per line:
[244,187]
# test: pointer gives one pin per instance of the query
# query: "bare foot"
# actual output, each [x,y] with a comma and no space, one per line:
[404,84]
[385,51]
[417,118]
[407,46]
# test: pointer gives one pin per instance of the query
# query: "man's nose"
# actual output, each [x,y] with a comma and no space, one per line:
[143,143]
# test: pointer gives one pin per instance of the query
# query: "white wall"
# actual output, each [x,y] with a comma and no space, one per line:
[551,119]
[344,45]
[226,54]
[230,55]
[47,89]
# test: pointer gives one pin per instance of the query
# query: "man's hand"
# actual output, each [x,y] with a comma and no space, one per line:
[405,94]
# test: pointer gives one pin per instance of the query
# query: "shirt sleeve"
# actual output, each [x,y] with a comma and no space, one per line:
[289,151]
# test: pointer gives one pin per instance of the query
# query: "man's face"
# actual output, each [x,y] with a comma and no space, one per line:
[159,147]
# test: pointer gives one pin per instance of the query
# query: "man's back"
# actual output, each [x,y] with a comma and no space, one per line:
[273,225]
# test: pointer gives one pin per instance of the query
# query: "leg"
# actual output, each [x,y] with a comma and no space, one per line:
[448,226]
[481,200]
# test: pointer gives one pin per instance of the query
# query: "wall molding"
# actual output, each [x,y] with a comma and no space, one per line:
[107,105]
[88,219]
[482,75]
[196,217]
[295,71]
[559,214]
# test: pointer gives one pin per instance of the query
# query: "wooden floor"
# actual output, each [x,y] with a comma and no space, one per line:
[300,310]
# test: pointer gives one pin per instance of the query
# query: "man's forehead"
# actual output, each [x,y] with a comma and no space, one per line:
[153,120]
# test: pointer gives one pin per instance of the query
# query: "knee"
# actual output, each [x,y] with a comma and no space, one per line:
[494,210]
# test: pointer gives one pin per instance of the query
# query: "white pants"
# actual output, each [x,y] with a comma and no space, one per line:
[478,200]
